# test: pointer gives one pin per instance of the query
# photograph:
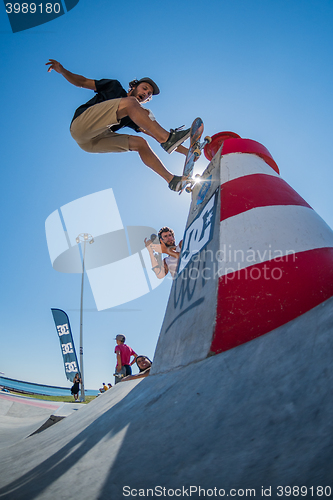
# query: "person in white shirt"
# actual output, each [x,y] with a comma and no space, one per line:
[166,245]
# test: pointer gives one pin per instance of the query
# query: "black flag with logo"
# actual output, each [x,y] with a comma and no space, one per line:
[66,342]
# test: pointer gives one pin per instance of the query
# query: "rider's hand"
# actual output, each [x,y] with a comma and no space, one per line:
[53,64]
[164,249]
[154,247]
[147,242]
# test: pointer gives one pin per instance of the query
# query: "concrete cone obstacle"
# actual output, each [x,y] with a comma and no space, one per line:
[255,256]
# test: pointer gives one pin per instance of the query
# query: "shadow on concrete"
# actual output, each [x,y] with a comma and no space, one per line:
[256,416]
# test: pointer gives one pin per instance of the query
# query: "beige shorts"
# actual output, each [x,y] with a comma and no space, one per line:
[91,130]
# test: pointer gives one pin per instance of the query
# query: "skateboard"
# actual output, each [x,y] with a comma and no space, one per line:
[193,154]
[119,375]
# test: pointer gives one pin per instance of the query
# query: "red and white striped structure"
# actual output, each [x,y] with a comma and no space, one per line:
[255,257]
[276,253]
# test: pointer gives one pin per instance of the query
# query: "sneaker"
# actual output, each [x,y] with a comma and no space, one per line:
[175,139]
[176,183]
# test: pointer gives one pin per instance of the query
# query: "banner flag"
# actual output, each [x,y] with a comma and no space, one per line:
[71,364]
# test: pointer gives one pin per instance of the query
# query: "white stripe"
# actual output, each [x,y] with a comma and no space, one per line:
[235,165]
[265,233]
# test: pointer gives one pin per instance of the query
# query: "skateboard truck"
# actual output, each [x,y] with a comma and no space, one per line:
[192,182]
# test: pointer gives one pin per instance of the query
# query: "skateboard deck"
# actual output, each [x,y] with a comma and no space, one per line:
[194,152]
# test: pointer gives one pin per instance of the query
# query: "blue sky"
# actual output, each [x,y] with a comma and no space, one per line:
[260,68]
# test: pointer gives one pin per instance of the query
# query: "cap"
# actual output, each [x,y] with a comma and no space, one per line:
[156,90]
[122,338]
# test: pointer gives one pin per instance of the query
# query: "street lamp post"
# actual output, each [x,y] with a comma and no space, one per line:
[82,238]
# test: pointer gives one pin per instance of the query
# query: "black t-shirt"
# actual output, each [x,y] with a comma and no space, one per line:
[106,90]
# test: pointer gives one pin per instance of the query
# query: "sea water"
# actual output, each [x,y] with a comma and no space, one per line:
[46,390]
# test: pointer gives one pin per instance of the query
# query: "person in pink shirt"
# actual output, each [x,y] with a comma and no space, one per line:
[124,354]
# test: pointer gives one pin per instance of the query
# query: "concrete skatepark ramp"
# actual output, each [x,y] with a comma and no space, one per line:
[22,416]
[238,403]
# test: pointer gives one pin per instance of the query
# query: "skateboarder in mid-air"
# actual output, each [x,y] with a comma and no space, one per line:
[96,122]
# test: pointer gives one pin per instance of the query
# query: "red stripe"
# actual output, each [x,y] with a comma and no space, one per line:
[257,190]
[249,146]
[232,143]
[212,148]
[248,307]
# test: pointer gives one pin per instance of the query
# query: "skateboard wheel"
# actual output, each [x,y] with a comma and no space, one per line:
[188,189]
[208,139]
[197,176]
[197,152]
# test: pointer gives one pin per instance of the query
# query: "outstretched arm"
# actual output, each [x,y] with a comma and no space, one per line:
[138,375]
[161,270]
[77,80]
